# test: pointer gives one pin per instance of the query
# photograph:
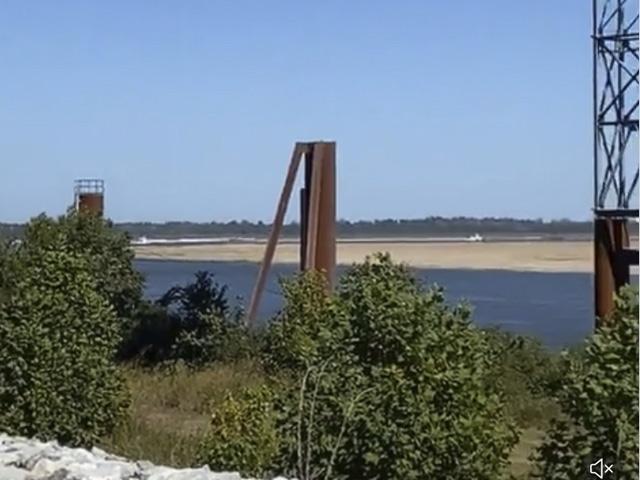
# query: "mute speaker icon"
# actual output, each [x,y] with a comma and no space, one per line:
[600,469]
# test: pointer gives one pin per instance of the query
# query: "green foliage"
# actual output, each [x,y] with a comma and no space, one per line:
[212,338]
[386,381]
[150,337]
[316,414]
[8,270]
[206,328]
[200,296]
[58,335]
[528,375]
[309,327]
[428,370]
[107,251]
[599,402]
[243,434]
[192,323]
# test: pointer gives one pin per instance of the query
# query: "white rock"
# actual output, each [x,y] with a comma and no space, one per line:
[12,473]
[25,459]
[164,473]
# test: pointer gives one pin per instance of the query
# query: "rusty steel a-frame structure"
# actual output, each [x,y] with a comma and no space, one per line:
[317,216]
[615,145]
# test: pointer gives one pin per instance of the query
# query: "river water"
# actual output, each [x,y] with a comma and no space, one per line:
[556,308]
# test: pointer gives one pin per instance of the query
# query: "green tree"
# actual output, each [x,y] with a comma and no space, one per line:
[310,327]
[107,251]
[7,270]
[58,335]
[599,402]
[193,323]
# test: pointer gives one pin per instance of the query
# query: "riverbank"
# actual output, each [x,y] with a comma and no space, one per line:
[538,256]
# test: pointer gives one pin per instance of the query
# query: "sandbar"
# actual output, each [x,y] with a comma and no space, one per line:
[541,256]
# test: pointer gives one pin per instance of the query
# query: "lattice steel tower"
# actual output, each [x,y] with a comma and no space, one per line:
[615,118]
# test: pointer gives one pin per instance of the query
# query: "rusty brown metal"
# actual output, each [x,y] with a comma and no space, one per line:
[304,205]
[92,203]
[318,206]
[89,196]
[612,263]
[285,195]
[325,248]
[317,216]
[313,212]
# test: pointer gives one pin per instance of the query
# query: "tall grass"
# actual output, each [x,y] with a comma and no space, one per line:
[171,407]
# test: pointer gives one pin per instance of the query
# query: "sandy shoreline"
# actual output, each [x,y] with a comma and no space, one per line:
[541,256]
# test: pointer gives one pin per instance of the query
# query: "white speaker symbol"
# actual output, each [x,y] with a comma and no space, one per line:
[599,469]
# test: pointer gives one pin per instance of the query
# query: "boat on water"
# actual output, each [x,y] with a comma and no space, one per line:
[475,238]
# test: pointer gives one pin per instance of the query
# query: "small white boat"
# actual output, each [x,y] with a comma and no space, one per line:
[475,238]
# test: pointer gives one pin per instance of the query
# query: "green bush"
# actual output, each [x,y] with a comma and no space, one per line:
[309,327]
[57,341]
[203,295]
[207,328]
[243,434]
[150,337]
[107,251]
[7,270]
[599,402]
[385,380]
[528,375]
[212,338]
[427,370]
[193,323]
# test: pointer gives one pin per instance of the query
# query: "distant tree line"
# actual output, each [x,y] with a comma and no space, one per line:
[430,226]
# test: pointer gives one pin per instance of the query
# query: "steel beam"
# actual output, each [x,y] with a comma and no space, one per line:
[276,227]
[612,265]
[313,209]
[318,239]
[617,213]
[317,216]
[615,135]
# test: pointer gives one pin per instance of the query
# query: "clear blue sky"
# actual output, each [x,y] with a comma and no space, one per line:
[189,109]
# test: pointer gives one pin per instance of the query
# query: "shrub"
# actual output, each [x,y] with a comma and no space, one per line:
[386,381]
[206,327]
[309,327]
[203,295]
[316,414]
[170,409]
[428,371]
[243,434]
[599,402]
[150,337]
[192,323]
[107,251]
[7,270]
[209,339]
[57,342]
[528,375]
